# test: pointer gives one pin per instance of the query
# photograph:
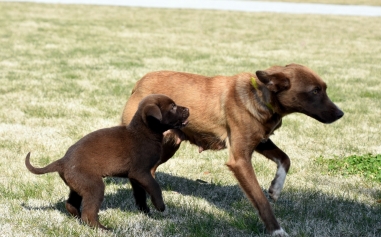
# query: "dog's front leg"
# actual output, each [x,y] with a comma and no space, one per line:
[170,144]
[272,152]
[149,184]
[240,164]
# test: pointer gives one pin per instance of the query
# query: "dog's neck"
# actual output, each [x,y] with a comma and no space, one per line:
[269,106]
[149,130]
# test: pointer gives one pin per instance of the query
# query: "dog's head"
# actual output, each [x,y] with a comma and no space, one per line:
[299,89]
[160,113]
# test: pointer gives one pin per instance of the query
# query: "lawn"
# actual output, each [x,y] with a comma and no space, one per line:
[341,2]
[67,70]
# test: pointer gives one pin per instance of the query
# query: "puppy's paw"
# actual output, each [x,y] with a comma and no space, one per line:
[165,213]
[144,209]
[72,210]
[103,228]
[161,208]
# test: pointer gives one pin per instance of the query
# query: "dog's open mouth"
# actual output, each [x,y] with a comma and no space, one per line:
[182,124]
[185,123]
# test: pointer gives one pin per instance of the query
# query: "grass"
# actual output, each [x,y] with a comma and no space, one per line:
[341,2]
[368,166]
[67,70]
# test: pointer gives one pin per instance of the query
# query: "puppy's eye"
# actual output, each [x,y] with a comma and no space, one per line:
[173,106]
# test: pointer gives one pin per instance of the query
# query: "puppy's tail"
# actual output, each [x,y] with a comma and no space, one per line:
[52,167]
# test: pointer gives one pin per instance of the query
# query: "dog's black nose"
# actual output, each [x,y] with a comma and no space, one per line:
[186,112]
[339,114]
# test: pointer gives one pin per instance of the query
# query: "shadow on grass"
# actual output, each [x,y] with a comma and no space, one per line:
[304,209]
[301,211]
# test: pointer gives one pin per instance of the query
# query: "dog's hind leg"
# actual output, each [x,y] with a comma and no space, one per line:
[73,204]
[93,194]
[140,196]
[272,152]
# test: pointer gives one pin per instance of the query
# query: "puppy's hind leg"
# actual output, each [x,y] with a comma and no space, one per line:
[140,196]
[73,204]
[93,194]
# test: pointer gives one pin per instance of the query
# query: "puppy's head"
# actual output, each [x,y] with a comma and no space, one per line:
[160,113]
[299,89]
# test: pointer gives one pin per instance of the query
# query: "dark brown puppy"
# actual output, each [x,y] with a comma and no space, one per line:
[124,151]
[242,111]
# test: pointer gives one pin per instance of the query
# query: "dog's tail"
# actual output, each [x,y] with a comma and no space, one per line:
[52,167]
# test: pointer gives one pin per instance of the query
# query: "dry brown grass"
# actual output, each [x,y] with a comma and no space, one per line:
[343,2]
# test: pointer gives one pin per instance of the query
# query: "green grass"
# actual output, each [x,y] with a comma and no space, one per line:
[368,166]
[68,70]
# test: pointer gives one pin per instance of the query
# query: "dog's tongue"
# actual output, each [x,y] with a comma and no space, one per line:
[185,122]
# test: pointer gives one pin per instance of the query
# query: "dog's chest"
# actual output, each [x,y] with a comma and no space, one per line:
[271,125]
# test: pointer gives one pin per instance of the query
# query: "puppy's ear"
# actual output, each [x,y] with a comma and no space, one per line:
[274,81]
[152,111]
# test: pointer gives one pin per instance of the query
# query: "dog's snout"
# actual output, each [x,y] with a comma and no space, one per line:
[330,116]
[185,112]
[339,114]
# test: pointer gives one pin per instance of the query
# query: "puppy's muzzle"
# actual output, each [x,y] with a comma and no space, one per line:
[184,116]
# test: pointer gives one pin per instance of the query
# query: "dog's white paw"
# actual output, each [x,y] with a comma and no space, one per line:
[279,233]
[274,193]
[277,184]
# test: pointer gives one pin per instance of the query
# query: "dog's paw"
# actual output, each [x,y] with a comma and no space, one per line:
[144,209]
[103,228]
[274,193]
[160,207]
[72,210]
[277,184]
[279,233]
[275,190]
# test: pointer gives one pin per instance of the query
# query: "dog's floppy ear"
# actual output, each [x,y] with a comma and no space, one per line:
[275,82]
[152,111]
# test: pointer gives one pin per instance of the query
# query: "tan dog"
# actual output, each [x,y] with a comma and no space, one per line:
[121,151]
[242,111]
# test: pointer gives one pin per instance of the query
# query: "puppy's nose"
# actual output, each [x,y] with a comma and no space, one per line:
[186,112]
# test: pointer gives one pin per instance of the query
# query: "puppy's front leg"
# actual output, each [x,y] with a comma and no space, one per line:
[272,152]
[171,143]
[152,187]
[140,196]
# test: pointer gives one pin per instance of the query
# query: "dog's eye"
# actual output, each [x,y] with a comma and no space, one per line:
[173,106]
[316,91]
